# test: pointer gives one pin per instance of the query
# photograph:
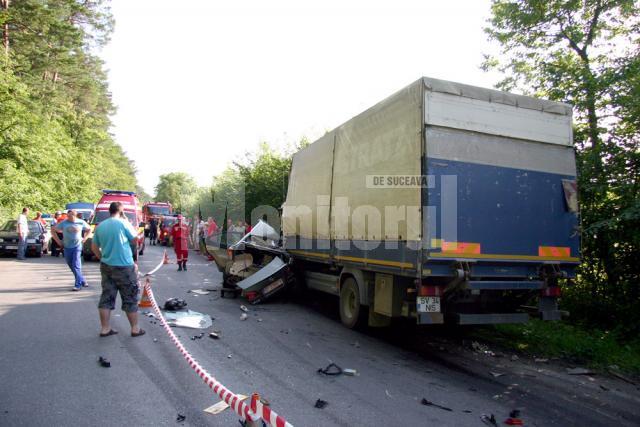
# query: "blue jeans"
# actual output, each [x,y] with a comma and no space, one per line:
[72,256]
[22,246]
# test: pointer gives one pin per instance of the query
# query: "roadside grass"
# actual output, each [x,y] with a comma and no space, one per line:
[593,348]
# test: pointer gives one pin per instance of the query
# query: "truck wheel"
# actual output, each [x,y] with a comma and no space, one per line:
[352,314]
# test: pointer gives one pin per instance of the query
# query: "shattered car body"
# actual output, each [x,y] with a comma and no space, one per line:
[255,265]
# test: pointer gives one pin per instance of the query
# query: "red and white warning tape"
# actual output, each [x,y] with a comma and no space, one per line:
[252,413]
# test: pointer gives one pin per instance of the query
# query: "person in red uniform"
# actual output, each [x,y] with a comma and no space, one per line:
[180,234]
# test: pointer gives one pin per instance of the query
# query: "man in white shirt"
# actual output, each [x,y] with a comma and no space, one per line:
[23,232]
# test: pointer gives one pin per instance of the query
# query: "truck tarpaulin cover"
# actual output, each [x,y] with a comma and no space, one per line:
[383,140]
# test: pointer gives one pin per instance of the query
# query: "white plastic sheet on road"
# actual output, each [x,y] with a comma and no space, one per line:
[188,319]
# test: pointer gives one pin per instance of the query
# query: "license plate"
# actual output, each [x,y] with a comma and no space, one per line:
[272,286]
[11,247]
[428,304]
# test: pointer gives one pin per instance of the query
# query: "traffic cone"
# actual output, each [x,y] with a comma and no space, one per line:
[166,258]
[145,301]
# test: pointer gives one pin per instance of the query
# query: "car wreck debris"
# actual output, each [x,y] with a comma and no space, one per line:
[320,403]
[426,402]
[331,369]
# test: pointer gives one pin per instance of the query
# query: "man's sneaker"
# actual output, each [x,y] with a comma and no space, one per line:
[85,285]
[75,289]
[185,266]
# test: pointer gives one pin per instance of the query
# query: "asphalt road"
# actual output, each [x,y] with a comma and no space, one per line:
[49,374]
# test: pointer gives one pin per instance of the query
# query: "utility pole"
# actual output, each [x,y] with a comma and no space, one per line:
[5,31]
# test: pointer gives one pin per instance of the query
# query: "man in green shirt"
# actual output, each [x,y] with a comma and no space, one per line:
[111,245]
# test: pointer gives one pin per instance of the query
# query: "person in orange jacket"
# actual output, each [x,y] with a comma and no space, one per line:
[180,234]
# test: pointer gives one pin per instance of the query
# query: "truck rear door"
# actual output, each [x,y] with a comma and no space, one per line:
[503,186]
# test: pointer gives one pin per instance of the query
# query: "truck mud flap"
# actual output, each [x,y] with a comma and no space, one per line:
[266,282]
[489,318]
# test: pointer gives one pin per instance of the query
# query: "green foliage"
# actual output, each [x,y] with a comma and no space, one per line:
[586,52]
[55,145]
[178,188]
[260,179]
[594,348]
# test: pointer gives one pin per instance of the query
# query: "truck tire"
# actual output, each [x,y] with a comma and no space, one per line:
[352,313]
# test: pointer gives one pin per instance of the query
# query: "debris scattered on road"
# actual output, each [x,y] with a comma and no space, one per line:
[214,335]
[320,404]
[541,360]
[259,319]
[244,308]
[489,420]
[155,340]
[229,356]
[149,314]
[514,419]
[356,344]
[197,337]
[199,291]
[330,369]
[188,319]
[467,411]
[613,370]
[222,405]
[243,316]
[308,344]
[350,372]
[480,348]
[426,402]
[604,388]
[496,374]
[180,418]
[388,394]
[104,362]
[579,371]
[514,358]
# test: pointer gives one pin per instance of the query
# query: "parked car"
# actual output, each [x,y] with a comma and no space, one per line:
[35,238]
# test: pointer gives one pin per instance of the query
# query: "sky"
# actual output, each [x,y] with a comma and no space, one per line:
[198,84]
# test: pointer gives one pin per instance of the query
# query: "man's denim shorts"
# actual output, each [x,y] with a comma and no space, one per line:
[119,279]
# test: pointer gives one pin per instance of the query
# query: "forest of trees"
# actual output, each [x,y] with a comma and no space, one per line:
[55,106]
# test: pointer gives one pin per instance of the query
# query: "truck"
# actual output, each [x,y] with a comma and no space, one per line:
[132,212]
[154,210]
[445,203]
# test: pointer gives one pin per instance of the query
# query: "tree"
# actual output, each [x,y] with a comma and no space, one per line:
[178,188]
[585,52]
[55,144]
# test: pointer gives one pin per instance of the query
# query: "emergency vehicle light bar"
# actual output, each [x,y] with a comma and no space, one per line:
[127,193]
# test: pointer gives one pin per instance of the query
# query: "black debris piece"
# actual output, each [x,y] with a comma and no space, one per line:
[515,413]
[320,403]
[174,304]
[104,362]
[330,369]
[197,337]
[466,411]
[426,402]
[180,418]
[214,335]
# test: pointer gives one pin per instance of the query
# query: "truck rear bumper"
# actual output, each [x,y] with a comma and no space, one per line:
[489,318]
